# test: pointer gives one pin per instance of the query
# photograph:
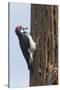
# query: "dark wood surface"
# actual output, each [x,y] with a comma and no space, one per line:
[44,30]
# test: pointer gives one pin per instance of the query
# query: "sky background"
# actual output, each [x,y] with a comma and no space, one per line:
[19,74]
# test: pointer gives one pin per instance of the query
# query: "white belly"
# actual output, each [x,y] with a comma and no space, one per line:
[32,48]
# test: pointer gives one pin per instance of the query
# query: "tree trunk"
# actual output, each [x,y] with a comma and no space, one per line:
[44,30]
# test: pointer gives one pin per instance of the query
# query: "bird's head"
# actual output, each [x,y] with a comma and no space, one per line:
[20,28]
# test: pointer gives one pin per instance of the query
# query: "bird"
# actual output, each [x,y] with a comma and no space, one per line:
[27,44]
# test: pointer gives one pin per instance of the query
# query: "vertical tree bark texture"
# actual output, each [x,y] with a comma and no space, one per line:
[44,26]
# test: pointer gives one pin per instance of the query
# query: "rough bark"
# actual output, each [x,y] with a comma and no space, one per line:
[44,25]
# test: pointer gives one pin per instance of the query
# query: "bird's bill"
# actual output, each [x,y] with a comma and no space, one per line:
[25,28]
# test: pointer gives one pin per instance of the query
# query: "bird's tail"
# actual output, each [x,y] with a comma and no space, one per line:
[30,67]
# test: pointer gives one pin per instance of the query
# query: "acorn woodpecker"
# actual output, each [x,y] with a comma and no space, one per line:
[28,46]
